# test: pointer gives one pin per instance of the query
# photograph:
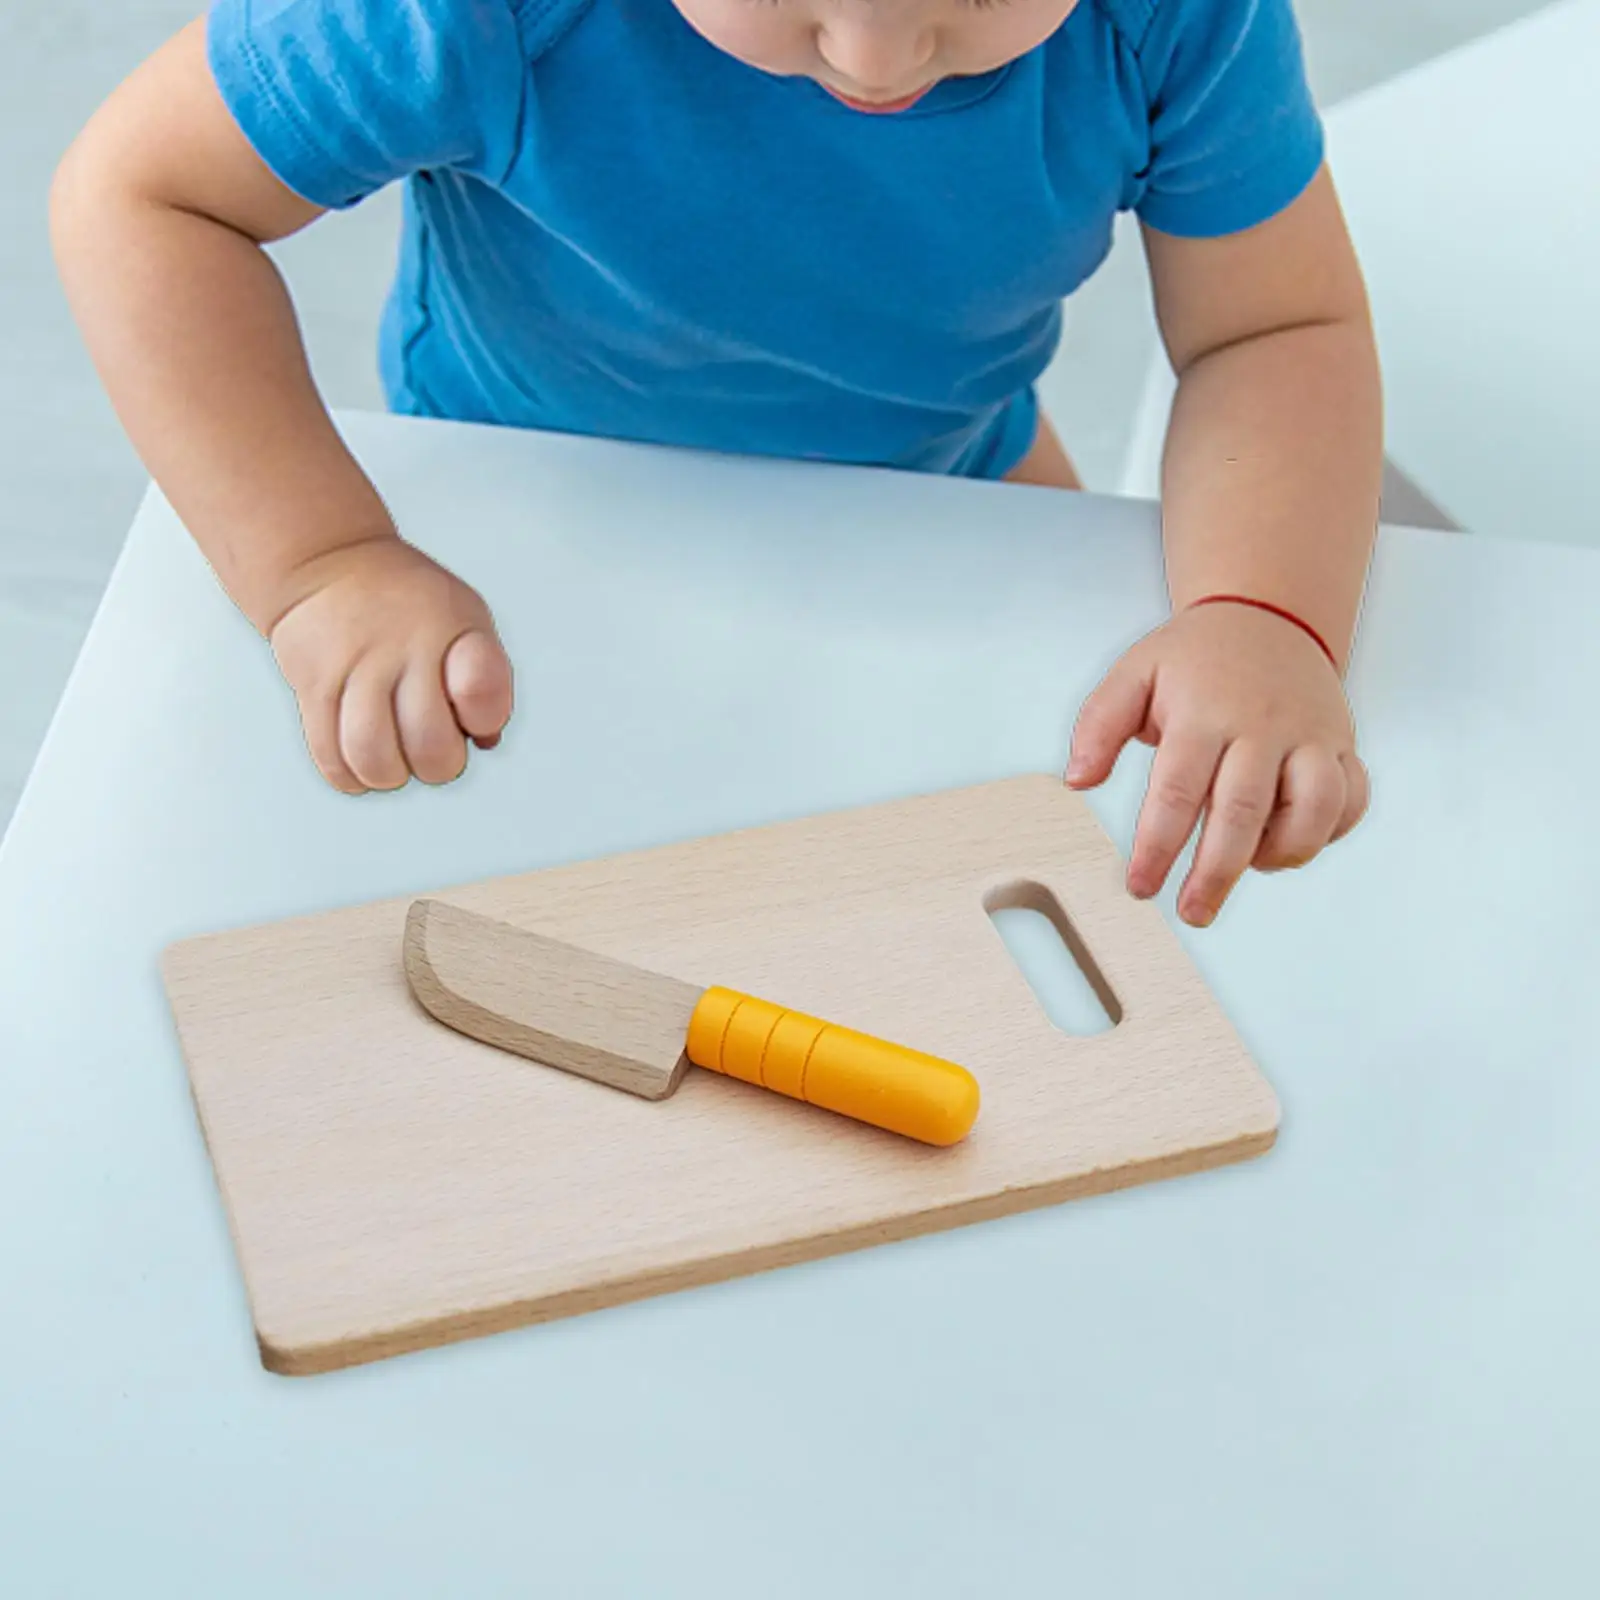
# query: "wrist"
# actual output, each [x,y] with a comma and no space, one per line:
[1273,609]
[314,571]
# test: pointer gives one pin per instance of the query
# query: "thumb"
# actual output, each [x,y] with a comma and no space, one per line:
[477,680]
[1111,716]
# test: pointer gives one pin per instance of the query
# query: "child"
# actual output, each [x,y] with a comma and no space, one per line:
[834,229]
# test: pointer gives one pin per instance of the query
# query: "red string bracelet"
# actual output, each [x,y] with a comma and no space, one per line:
[1272,610]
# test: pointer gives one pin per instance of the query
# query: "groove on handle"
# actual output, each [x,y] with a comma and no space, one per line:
[838,1069]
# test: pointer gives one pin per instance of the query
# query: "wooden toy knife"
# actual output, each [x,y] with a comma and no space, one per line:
[585,1013]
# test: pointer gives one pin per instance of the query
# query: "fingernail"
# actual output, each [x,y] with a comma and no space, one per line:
[1202,918]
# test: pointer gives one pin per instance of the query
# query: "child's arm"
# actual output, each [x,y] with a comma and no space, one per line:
[1270,487]
[159,214]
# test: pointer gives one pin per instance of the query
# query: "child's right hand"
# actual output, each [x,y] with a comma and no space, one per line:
[395,663]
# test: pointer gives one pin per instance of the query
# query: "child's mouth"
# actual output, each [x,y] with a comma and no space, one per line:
[878,107]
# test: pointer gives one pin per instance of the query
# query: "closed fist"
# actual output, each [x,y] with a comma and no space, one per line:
[395,664]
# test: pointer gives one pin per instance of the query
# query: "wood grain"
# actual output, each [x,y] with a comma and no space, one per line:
[551,1002]
[393,1185]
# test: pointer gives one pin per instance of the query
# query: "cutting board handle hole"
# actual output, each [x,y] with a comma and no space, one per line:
[1051,955]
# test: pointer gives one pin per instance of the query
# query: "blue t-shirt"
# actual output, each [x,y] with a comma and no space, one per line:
[612,227]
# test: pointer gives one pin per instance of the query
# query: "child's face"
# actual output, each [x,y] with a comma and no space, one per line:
[876,55]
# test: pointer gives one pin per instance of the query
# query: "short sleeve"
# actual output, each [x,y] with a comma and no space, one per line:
[1235,134]
[340,97]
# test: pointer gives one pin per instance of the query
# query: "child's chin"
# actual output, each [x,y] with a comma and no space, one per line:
[878,108]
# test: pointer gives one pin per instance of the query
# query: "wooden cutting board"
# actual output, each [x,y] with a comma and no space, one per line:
[392,1185]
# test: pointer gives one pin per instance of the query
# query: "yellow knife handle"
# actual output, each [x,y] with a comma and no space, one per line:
[836,1068]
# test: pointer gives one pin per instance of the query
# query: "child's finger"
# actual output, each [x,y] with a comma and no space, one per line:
[1180,780]
[367,732]
[477,679]
[1358,793]
[430,737]
[1311,800]
[1110,717]
[319,716]
[1236,815]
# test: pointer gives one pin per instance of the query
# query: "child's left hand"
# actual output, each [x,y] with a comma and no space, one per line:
[1251,727]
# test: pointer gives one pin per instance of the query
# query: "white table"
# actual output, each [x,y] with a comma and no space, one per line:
[1473,191]
[1364,1365]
